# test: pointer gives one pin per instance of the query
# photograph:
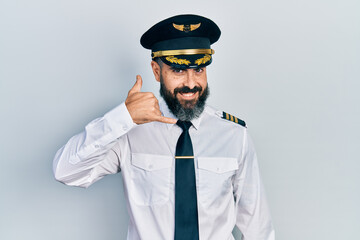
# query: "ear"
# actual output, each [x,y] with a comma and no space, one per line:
[156,70]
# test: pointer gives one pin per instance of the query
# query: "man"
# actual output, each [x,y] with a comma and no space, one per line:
[189,171]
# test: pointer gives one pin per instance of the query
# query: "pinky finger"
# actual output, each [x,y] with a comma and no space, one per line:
[166,120]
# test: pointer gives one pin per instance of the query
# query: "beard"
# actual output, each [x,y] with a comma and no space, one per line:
[190,109]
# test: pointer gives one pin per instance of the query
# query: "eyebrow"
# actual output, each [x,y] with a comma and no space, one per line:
[175,68]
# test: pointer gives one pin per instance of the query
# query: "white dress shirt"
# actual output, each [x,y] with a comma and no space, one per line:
[229,188]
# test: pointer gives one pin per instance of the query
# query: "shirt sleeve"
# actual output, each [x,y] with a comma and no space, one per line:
[252,212]
[95,152]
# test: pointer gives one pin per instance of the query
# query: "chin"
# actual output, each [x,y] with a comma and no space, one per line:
[189,104]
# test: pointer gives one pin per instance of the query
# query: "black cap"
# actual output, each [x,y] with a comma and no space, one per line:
[182,41]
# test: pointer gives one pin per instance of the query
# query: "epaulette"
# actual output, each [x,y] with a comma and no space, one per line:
[233,119]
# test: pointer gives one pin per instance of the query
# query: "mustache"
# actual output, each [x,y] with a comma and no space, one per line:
[187,90]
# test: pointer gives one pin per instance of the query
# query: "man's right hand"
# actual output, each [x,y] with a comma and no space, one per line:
[143,106]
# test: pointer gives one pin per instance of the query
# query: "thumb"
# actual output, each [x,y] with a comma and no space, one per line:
[137,86]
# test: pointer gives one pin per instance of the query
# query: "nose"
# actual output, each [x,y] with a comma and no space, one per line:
[190,80]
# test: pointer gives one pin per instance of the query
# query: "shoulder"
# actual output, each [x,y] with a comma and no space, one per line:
[224,117]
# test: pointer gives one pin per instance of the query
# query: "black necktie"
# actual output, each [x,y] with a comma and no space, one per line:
[186,213]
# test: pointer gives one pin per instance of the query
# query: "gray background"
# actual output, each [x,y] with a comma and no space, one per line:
[289,68]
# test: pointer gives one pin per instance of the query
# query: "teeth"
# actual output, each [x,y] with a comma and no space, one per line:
[188,94]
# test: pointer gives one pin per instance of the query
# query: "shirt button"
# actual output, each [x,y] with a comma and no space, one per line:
[217,169]
[96,146]
[124,128]
[151,166]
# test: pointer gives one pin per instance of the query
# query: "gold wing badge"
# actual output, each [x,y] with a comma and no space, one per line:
[186,27]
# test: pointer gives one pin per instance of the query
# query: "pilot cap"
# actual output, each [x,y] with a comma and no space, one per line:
[182,41]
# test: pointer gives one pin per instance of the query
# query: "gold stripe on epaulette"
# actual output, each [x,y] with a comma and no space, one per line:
[234,119]
[185,157]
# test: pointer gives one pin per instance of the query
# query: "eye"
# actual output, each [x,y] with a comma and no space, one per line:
[199,70]
[176,70]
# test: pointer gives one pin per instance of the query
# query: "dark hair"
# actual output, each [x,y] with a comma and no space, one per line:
[158,60]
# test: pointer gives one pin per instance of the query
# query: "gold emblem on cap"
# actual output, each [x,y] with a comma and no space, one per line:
[186,27]
[176,60]
[203,60]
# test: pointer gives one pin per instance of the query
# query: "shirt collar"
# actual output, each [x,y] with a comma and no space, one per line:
[167,113]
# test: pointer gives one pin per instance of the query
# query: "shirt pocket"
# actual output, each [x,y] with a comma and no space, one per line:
[215,174]
[150,178]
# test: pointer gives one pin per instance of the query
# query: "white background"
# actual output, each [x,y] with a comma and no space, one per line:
[290,69]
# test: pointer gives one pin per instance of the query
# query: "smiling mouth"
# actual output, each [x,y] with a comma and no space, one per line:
[188,94]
